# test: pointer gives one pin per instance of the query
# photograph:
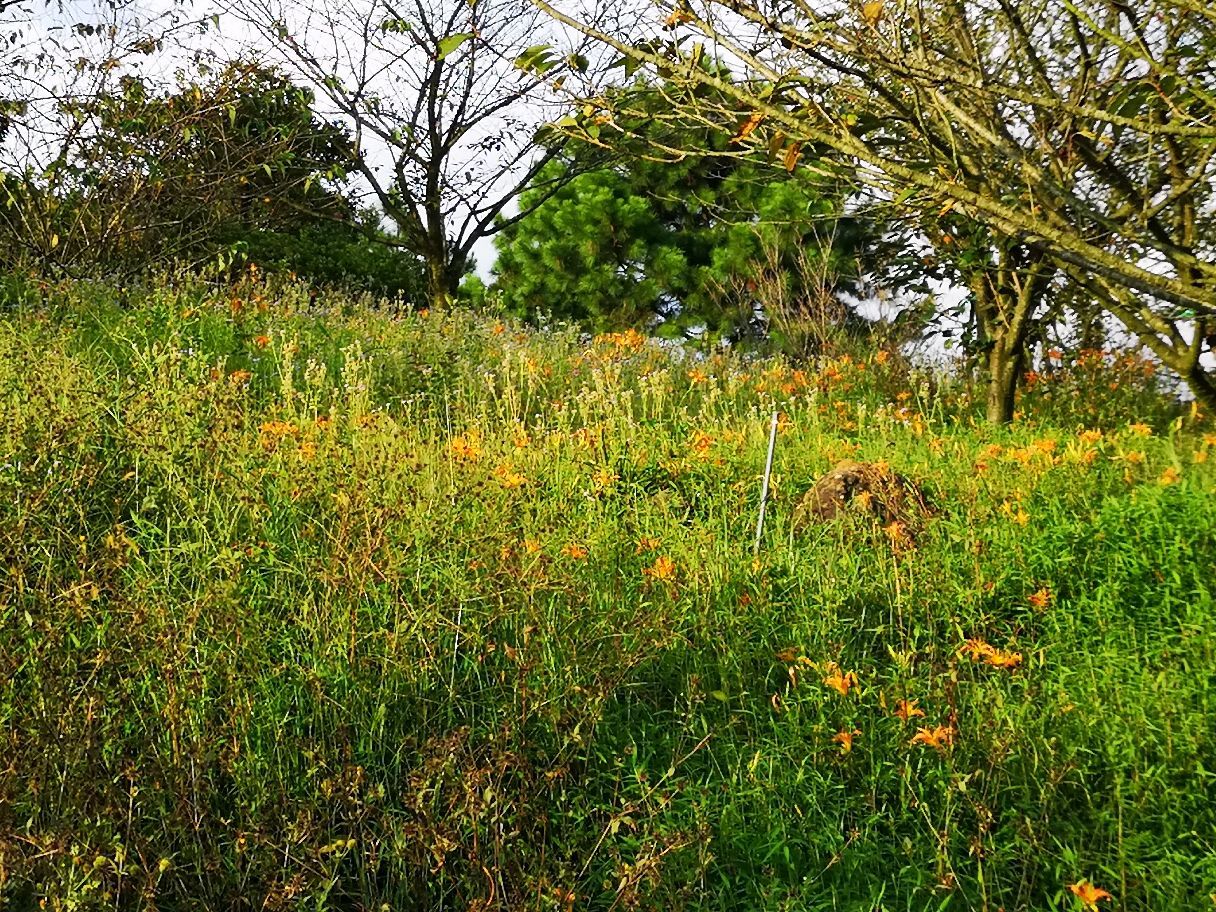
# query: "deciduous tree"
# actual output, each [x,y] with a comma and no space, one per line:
[445,121]
[1080,135]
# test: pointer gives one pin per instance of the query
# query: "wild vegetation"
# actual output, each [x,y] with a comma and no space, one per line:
[312,605]
[333,579]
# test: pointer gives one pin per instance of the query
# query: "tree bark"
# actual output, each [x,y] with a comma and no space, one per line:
[442,279]
[437,291]
[1004,370]
[1007,296]
[1203,387]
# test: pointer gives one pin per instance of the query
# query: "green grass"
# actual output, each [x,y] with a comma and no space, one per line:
[295,614]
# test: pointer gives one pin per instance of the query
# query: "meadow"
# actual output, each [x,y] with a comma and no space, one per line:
[313,604]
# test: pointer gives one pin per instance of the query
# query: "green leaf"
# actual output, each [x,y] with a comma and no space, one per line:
[452,42]
[629,64]
[537,58]
[395,25]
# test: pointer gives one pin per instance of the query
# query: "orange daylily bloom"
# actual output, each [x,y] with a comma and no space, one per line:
[1088,893]
[509,478]
[700,442]
[998,658]
[1170,476]
[976,649]
[647,543]
[466,447]
[840,681]
[575,551]
[1040,599]
[981,651]
[939,737]
[845,739]
[664,568]
[906,709]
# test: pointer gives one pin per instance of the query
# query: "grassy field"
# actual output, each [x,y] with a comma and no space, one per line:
[311,606]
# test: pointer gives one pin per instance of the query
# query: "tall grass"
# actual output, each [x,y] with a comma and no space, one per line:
[337,608]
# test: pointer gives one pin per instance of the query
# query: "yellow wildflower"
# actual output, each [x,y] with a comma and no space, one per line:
[466,447]
[508,477]
[604,478]
[1015,513]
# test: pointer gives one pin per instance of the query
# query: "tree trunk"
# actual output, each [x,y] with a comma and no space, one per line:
[438,292]
[1007,295]
[1203,387]
[1004,369]
[443,280]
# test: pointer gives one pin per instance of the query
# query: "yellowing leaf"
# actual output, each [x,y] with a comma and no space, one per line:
[678,16]
[872,12]
[748,127]
[791,155]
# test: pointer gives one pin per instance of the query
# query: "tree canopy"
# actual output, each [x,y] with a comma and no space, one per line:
[1081,136]
[680,230]
[233,163]
[445,123]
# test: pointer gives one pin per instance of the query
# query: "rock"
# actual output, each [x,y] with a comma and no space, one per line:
[864,488]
